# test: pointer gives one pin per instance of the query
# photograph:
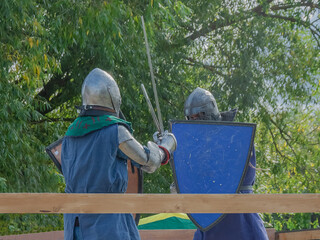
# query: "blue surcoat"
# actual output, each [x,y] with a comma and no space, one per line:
[93,163]
[246,226]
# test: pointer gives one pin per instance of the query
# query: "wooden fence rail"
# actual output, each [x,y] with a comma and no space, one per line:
[158,203]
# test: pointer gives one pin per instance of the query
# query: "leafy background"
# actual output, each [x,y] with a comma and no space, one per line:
[261,57]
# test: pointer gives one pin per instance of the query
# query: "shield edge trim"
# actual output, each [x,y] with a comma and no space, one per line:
[53,158]
[253,125]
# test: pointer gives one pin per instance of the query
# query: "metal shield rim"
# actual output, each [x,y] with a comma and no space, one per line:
[253,125]
[52,157]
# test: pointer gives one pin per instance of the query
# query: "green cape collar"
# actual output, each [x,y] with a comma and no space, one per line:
[86,124]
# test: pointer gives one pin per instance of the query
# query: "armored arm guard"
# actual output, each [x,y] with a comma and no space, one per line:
[149,157]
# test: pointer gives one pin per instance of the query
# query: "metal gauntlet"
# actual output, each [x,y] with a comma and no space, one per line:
[168,143]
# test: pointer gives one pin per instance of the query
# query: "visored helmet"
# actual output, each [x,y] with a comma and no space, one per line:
[99,88]
[202,104]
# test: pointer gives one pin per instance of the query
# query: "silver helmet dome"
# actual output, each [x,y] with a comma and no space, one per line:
[202,103]
[99,88]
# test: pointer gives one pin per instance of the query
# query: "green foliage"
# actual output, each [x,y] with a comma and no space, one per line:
[30,223]
[257,56]
[291,163]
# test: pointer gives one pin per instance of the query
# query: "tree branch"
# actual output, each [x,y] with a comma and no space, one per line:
[223,23]
[316,36]
[246,15]
[276,147]
[290,19]
[285,7]
[50,88]
[213,69]
[282,133]
[315,33]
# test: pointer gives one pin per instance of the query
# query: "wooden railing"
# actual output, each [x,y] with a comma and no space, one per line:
[158,203]
[161,203]
[164,234]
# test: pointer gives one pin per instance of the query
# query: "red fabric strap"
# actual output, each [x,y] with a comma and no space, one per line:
[166,160]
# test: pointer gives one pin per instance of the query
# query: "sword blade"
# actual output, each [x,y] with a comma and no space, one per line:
[152,78]
[145,94]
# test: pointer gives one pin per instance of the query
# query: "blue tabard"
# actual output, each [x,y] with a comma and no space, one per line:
[94,164]
[244,226]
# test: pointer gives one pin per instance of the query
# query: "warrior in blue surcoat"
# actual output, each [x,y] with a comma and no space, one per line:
[201,105]
[94,157]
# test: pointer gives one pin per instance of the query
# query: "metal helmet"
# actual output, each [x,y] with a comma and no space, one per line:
[99,88]
[201,102]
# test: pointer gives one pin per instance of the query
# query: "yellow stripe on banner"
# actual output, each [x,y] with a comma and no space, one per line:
[161,216]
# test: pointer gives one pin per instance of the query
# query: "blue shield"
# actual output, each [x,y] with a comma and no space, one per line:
[211,157]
